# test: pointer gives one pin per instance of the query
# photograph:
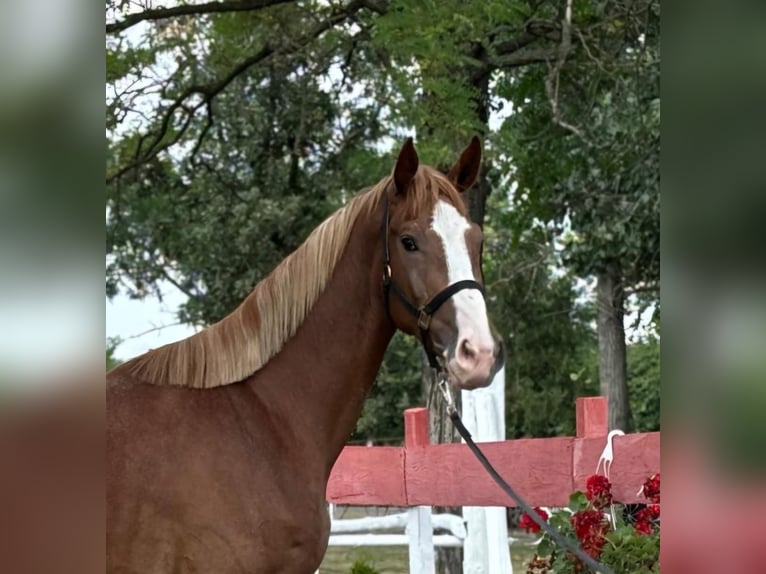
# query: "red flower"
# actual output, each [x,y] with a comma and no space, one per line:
[646,518]
[599,491]
[529,524]
[589,524]
[652,488]
[643,526]
[590,527]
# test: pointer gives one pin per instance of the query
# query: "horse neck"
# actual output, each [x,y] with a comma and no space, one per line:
[319,380]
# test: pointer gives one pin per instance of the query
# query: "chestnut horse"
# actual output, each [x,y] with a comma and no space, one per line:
[220,446]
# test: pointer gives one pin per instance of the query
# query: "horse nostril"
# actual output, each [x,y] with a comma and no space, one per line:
[467,350]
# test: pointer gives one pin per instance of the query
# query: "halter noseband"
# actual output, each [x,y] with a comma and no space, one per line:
[424,313]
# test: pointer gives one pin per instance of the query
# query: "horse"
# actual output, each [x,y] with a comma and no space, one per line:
[220,446]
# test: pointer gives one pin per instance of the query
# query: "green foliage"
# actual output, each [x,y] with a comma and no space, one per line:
[111,346]
[363,565]
[550,345]
[217,220]
[599,187]
[583,146]
[578,501]
[644,384]
[628,552]
[120,63]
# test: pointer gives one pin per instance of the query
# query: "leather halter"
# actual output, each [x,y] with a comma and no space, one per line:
[422,313]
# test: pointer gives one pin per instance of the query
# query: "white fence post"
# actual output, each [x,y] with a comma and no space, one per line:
[486,548]
[421,534]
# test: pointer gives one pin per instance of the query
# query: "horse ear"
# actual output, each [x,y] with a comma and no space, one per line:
[406,166]
[463,173]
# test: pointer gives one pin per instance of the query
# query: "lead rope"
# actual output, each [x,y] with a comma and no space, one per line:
[562,541]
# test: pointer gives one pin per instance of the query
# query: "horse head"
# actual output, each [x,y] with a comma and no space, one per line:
[432,267]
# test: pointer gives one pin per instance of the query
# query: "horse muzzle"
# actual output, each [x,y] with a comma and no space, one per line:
[472,365]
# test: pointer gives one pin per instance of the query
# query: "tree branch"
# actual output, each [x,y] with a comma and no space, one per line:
[646,288]
[533,30]
[511,53]
[210,91]
[514,44]
[518,59]
[552,79]
[190,10]
[154,329]
[203,133]
[169,278]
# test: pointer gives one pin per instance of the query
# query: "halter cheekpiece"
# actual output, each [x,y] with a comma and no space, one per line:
[425,312]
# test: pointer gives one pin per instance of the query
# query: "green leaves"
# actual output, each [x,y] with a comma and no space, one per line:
[578,501]
[629,552]
[644,381]
[604,186]
[120,63]
[111,346]
[545,547]
[545,330]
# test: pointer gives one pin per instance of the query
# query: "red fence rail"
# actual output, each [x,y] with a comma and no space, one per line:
[543,471]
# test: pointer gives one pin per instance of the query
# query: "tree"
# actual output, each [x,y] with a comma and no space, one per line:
[251,185]
[547,336]
[597,181]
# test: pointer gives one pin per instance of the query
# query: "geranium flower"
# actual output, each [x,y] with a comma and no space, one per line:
[652,488]
[529,524]
[599,491]
[646,518]
[589,524]
[643,526]
[590,527]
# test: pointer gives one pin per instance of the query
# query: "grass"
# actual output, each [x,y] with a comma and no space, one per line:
[395,560]
[385,559]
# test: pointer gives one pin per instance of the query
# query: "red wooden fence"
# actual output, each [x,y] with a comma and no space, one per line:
[543,471]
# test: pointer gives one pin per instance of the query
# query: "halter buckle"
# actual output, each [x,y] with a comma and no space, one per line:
[386,274]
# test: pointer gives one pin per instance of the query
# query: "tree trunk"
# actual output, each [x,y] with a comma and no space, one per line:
[612,359]
[447,560]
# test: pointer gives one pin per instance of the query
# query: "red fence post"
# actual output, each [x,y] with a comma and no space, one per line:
[591,414]
[416,427]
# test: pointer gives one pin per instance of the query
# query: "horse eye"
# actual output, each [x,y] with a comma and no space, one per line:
[409,243]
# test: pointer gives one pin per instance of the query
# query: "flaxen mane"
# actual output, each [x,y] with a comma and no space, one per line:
[245,340]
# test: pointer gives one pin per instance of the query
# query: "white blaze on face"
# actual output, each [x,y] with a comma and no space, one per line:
[471,311]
